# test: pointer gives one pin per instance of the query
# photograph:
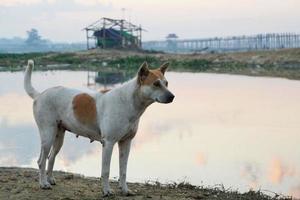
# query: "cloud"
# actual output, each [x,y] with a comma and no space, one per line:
[91,2]
[201,159]
[8,160]
[18,144]
[12,102]
[10,3]
[227,20]
[75,149]
[51,1]
[278,171]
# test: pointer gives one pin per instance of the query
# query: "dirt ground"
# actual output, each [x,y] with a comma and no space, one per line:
[22,183]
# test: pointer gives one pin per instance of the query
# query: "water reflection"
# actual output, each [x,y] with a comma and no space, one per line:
[295,191]
[236,130]
[109,78]
[250,173]
[18,144]
[201,159]
[280,171]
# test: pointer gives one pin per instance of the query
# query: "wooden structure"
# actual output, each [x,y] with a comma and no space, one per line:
[171,41]
[221,44]
[113,33]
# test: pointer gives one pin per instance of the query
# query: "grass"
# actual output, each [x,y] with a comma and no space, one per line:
[283,63]
[218,192]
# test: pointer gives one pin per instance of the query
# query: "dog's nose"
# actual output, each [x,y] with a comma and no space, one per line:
[171,97]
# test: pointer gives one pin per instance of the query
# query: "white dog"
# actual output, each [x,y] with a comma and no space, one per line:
[109,117]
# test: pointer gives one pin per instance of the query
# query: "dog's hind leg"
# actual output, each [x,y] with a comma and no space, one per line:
[58,142]
[47,138]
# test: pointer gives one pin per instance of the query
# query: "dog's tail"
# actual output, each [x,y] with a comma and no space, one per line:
[27,80]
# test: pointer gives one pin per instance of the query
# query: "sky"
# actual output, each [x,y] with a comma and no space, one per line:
[63,20]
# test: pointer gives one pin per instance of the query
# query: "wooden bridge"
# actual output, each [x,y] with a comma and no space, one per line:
[221,44]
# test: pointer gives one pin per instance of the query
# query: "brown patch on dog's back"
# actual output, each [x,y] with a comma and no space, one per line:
[84,107]
[153,76]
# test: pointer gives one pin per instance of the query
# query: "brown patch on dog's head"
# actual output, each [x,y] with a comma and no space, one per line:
[148,77]
[152,77]
[84,107]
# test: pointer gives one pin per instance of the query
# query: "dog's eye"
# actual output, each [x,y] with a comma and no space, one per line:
[156,83]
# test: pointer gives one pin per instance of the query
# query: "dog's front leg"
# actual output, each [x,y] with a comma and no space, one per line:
[106,158]
[124,149]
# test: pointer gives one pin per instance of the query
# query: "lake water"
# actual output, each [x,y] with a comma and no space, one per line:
[243,132]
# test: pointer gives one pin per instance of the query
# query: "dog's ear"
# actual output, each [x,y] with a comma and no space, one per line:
[163,68]
[143,72]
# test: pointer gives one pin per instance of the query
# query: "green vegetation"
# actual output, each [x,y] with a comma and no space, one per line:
[283,63]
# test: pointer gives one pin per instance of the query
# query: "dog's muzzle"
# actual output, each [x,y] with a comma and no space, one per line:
[168,98]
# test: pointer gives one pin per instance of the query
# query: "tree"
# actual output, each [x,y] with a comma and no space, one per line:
[33,37]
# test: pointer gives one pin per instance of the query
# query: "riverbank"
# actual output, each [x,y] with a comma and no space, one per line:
[22,183]
[279,63]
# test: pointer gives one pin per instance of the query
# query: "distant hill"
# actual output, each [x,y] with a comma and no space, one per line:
[19,45]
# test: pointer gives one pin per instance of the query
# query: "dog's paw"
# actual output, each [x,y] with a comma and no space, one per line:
[108,193]
[45,186]
[51,180]
[128,193]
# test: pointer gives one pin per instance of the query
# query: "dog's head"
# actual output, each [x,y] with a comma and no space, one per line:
[153,84]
